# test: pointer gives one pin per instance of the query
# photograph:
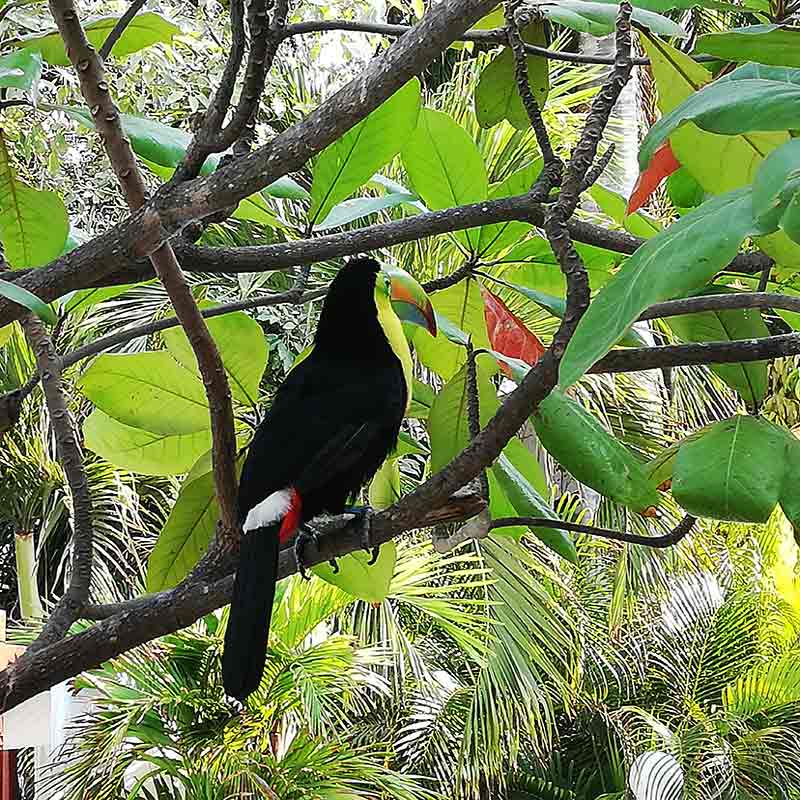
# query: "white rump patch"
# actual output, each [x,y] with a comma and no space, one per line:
[269,510]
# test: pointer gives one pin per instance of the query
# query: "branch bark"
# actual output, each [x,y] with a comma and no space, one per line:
[95,90]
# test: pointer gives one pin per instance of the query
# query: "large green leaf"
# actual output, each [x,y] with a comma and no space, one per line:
[528,503]
[777,183]
[790,497]
[360,579]
[733,472]
[764,44]
[600,18]
[421,400]
[21,70]
[748,379]
[33,223]
[445,167]
[186,534]
[242,347]
[149,391]
[730,106]
[145,29]
[23,297]
[496,95]
[350,162]
[718,163]
[143,451]
[681,258]
[590,454]
[497,237]
[461,305]
[532,263]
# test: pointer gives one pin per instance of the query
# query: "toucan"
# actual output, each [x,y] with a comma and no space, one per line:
[332,423]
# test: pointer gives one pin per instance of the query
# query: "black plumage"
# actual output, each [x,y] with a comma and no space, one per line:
[332,423]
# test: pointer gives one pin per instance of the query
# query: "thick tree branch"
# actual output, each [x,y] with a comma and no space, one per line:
[106,116]
[146,618]
[174,207]
[71,604]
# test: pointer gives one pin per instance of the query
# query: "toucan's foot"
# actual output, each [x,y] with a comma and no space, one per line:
[363,515]
[304,535]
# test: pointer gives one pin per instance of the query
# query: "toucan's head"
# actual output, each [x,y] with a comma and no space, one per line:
[408,298]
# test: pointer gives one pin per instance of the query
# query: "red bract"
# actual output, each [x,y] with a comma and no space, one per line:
[662,165]
[507,333]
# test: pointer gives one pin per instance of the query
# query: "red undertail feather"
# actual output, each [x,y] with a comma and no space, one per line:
[291,520]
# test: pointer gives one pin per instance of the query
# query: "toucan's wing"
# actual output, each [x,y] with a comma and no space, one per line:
[329,423]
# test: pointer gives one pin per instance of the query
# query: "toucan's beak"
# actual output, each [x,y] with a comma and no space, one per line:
[410,302]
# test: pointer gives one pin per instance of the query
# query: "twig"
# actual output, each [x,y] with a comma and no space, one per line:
[122,23]
[106,116]
[524,89]
[446,281]
[667,540]
[763,280]
[593,175]
[72,602]
[721,302]
[496,36]
[146,618]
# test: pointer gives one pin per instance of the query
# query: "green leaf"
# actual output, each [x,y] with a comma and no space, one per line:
[6,332]
[764,44]
[29,300]
[733,472]
[729,106]
[33,223]
[21,70]
[143,451]
[790,497]
[614,205]
[461,305]
[532,263]
[144,30]
[421,400]
[149,391]
[590,454]
[242,347]
[497,237]
[445,167]
[681,258]
[359,207]
[85,298]
[350,162]
[528,503]
[748,379]
[496,95]
[358,578]
[599,18]
[777,183]
[384,488]
[683,190]
[186,534]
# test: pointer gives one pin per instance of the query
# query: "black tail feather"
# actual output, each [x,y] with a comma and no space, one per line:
[251,608]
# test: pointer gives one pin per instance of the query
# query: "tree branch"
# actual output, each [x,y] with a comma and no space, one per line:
[122,23]
[72,602]
[106,116]
[667,540]
[146,618]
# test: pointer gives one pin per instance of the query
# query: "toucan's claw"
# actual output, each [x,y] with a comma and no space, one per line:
[376,551]
[364,516]
[300,542]
[334,565]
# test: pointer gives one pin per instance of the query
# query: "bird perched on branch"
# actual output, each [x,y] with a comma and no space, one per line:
[331,425]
